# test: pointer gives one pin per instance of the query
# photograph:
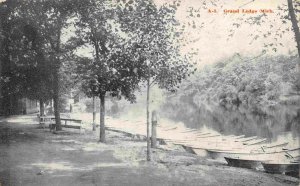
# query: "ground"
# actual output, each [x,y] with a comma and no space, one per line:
[31,156]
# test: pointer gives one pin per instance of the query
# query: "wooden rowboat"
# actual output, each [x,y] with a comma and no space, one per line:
[246,139]
[262,156]
[291,168]
[253,161]
[244,163]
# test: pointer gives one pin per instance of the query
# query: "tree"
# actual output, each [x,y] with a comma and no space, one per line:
[57,13]
[30,76]
[292,14]
[50,18]
[6,27]
[42,24]
[154,36]
[112,70]
[23,57]
[258,91]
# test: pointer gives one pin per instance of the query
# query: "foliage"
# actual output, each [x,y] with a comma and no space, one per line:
[154,36]
[240,95]
[112,70]
[33,44]
[260,82]
[25,69]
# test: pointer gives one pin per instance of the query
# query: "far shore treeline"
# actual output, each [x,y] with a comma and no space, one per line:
[241,95]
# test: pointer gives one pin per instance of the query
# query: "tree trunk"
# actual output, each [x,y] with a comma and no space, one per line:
[102,118]
[148,122]
[51,106]
[153,132]
[56,102]
[42,108]
[56,78]
[294,24]
[1,106]
[56,92]
[94,114]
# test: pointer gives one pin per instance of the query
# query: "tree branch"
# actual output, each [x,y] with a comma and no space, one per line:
[294,24]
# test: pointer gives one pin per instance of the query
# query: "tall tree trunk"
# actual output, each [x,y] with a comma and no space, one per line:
[1,106]
[94,114]
[56,78]
[102,118]
[148,122]
[51,106]
[294,24]
[56,101]
[153,131]
[42,108]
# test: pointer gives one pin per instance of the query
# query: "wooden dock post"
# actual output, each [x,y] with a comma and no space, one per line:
[153,132]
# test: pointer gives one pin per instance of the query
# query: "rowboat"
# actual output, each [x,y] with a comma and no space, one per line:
[252,154]
[253,161]
[190,131]
[244,163]
[189,149]
[229,146]
[204,143]
[213,143]
[209,136]
[291,168]
[254,142]
[246,139]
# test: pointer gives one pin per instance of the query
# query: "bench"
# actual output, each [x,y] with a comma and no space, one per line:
[43,120]
[76,123]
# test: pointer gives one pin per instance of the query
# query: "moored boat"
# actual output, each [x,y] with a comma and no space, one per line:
[253,161]
[244,163]
[290,168]
[252,155]
[246,139]
[188,149]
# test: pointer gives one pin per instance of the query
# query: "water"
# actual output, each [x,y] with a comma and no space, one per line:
[268,123]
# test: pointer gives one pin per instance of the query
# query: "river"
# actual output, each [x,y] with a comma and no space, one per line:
[237,120]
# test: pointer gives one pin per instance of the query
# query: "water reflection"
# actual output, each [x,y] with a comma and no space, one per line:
[268,123]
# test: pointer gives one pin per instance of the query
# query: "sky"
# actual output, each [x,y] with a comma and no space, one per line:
[212,40]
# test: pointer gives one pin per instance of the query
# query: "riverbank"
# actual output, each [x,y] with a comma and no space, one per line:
[33,156]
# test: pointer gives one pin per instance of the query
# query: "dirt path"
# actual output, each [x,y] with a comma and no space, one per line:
[32,156]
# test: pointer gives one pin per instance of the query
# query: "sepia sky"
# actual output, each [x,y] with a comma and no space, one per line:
[212,38]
